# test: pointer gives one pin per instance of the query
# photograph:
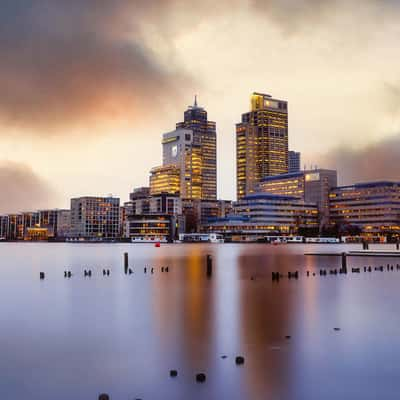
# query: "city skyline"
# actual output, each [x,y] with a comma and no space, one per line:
[83,111]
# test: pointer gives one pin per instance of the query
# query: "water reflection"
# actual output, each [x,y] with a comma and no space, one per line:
[74,338]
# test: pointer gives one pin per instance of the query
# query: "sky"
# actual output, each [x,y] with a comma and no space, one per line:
[89,86]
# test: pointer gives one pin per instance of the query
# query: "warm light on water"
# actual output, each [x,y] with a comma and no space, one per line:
[75,338]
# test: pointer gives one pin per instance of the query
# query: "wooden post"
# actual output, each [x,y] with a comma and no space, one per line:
[209,266]
[126,262]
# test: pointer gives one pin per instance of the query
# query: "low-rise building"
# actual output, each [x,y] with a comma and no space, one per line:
[151,228]
[264,214]
[312,186]
[200,212]
[372,207]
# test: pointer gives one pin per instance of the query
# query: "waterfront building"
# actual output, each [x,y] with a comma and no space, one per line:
[165,179]
[3,227]
[151,227]
[261,143]
[199,212]
[372,207]
[30,220]
[312,186]
[262,214]
[15,227]
[205,139]
[56,221]
[95,218]
[294,161]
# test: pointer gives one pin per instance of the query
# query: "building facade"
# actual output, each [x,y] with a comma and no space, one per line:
[151,227]
[263,214]
[312,186]
[372,207]
[165,179]
[294,161]
[198,213]
[95,218]
[205,138]
[261,143]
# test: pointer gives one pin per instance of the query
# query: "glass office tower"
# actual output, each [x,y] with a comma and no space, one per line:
[205,140]
[261,143]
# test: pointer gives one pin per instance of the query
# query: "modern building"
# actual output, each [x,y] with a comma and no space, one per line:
[30,220]
[3,227]
[15,227]
[312,186]
[95,218]
[372,207]
[165,179]
[199,212]
[261,143]
[189,158]
[56,221]
[294,161]
[205,136]
[151,227]
[261,214]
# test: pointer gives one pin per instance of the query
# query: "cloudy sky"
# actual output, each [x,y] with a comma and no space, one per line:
[89,86]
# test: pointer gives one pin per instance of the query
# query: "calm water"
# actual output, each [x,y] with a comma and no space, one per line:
[72,339]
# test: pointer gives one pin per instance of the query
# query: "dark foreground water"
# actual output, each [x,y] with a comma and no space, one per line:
[72,339]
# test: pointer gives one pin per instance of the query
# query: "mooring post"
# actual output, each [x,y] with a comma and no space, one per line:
[104,396]
[209,265]
[126,262]
[344,262]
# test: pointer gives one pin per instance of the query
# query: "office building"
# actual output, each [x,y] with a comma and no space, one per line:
[205,138]
[3,227]
[56,221]
[189,158]
[261,143]
[95,218]
[262,214]
[165,179]
[312,186]
[294,161]
[372,207]
[200,212]
[151,227]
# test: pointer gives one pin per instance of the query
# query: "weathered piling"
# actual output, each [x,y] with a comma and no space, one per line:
[239,360]
[344,262]
[104,396]
[126,263]
[201,377]
[275,276]
[173,373]
[41,275]
[209,265]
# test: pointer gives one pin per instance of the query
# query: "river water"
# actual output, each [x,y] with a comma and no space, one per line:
[75,338]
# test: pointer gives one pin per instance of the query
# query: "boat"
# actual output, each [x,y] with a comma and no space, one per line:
[148,239]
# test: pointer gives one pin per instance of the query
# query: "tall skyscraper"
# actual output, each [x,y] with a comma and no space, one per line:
[190,156]
[204,136]
[294,161]
[261,142]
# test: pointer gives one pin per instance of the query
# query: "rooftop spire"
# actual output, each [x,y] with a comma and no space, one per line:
[195,100]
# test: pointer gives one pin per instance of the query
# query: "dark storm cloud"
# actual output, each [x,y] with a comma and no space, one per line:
[68,62]
[377,161]
[22,189]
